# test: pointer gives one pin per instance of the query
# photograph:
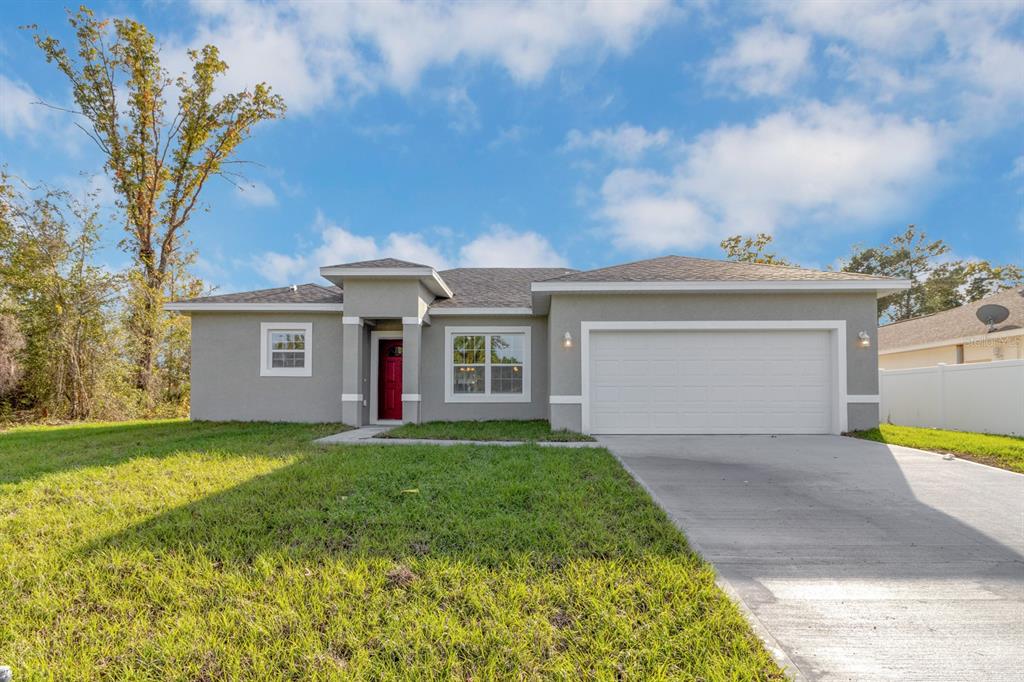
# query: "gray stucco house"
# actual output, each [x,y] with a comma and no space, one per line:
[666,345]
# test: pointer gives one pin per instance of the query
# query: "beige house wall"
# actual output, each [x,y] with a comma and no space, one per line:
[998,349]
[918,358]
[1011,348]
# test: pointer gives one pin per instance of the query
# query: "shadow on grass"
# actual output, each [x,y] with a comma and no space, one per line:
[488,506]
[31,452]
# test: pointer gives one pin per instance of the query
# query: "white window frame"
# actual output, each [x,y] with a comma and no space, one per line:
[486,397]
[265,365]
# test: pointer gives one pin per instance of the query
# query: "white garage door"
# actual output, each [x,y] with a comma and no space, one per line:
[710,382]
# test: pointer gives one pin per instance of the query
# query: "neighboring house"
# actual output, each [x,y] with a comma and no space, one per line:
[667,345]
[954,336]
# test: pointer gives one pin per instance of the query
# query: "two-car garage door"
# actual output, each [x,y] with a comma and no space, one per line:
[754,381]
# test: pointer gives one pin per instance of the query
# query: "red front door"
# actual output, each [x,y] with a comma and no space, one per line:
[389,380]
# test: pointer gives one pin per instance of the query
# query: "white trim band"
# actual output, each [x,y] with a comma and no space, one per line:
[437,312]
[351,397]
[411,397]
[350,319]
[881,286]
[863,399]
[411,320]
[566,400]
[185,307]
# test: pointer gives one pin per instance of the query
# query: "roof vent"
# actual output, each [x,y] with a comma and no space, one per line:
[992,314]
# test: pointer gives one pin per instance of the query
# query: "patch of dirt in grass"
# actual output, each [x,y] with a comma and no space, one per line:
[401,576]
[419,548]
[561,620]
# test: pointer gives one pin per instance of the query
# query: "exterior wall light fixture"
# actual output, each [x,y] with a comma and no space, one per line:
[864,340]
[567,341]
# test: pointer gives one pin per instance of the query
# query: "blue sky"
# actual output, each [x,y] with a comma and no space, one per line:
[582,135]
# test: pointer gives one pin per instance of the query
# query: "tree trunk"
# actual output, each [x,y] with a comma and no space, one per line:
[147,330]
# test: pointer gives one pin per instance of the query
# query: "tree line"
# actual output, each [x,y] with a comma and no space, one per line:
[937,280]
[77,340]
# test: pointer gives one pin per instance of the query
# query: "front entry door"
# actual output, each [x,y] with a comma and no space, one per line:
[389,382]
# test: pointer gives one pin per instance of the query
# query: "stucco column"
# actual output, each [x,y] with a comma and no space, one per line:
[351,371]
[412,334]
[565,410]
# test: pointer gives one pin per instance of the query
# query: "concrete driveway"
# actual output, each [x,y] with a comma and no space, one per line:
[860,561]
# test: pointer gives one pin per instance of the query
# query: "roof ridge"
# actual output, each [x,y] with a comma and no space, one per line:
[785,266]
[721,261]
[621,265]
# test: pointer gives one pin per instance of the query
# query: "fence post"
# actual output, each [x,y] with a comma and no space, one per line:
[942,395]
[881,397]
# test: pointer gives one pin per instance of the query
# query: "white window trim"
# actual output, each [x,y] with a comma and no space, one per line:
[836,329]
[265,369]
[449,346]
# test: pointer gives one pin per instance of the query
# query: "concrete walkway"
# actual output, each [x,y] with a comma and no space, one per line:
[861,561]
[370,435]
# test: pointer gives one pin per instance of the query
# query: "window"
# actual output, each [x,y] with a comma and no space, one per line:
[487,364]
[286,349]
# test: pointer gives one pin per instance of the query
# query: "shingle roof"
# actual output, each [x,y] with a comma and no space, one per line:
[303,293]
[685,269]
[493,287]
[380,263]
[952,324]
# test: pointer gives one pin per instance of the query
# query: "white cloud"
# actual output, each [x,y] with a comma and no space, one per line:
[835,165]
[18,113]
[961,54]
[647,214]
[501,246]
[413,247]
[281,269]
[509,136]
[322,50]
[89,188]
[256,193]
[625,143]
[1018,167]
[465,117]
[379,130]
[762,61]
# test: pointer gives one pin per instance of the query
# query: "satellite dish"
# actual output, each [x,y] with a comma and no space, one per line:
[992,314]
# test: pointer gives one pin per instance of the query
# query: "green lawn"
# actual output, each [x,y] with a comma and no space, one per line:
[498,429]
[1005,452]
[171,550]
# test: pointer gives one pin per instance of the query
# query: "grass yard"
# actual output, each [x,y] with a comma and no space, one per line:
[1005,452]
[172,550]
[499,429]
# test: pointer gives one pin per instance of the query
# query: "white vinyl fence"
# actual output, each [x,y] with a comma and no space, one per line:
[986,397]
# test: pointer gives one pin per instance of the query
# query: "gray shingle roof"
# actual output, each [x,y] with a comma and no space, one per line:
[955,323]
[303,293]
[493,287]
[685,268]
[380,263]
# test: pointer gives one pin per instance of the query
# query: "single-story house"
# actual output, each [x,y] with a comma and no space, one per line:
[666,345]
[955,336]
